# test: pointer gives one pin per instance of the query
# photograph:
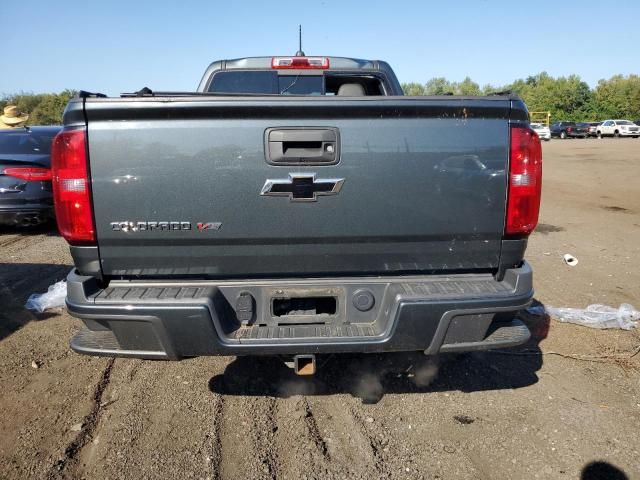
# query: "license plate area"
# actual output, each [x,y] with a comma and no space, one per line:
[305,306]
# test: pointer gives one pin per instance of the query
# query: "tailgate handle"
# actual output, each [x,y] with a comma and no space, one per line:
[302,146]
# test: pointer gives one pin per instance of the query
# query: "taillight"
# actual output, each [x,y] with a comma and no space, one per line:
[30,174]
[300,62]
[71,192]
[525,181]
[569,129]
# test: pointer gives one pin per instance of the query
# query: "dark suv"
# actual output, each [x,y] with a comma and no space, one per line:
[25,175]
[569,129]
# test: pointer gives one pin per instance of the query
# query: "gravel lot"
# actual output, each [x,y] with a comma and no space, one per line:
[548,410]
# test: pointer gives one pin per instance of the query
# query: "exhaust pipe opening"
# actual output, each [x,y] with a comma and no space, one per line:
[28,220]
[304,364]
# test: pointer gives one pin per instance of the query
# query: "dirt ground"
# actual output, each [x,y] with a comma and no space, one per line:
[565,406]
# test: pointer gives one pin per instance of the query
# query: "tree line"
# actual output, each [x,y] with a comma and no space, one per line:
[567,98]
[43,108]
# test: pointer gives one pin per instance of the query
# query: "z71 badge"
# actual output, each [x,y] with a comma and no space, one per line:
[162,226]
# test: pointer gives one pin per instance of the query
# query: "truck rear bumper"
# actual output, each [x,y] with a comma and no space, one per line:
[177,319]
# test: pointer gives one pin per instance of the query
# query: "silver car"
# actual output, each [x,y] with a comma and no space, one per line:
[542,130]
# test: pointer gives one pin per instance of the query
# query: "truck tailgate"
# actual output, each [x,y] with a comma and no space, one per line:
[182,186]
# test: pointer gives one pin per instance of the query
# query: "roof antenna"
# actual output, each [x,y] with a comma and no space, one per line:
[299,53]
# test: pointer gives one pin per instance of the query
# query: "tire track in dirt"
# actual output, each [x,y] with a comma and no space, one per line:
[65,467]
[164,410]
[266,439]
[378,447]
[17,240]
[10,240]
[301,448]
[246,438]
[215,441]
[314,431]
[350,450]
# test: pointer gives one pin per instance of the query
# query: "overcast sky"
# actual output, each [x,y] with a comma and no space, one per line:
[116,46]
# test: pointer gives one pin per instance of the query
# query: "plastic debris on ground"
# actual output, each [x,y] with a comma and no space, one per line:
[54,297]
[625,317]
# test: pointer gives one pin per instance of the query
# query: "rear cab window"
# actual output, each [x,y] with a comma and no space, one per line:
[265,82]
[244,82]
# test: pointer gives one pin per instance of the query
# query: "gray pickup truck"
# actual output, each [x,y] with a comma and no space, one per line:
[296,206]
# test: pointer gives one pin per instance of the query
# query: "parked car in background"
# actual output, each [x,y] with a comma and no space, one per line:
[25,175]
[618,128]
[542,130]
[637,122]
[593,128]
[584,125]
[568,129]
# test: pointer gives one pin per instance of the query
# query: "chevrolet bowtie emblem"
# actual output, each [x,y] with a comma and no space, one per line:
[302,187]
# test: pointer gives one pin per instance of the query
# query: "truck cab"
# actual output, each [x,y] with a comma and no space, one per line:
[300,76]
